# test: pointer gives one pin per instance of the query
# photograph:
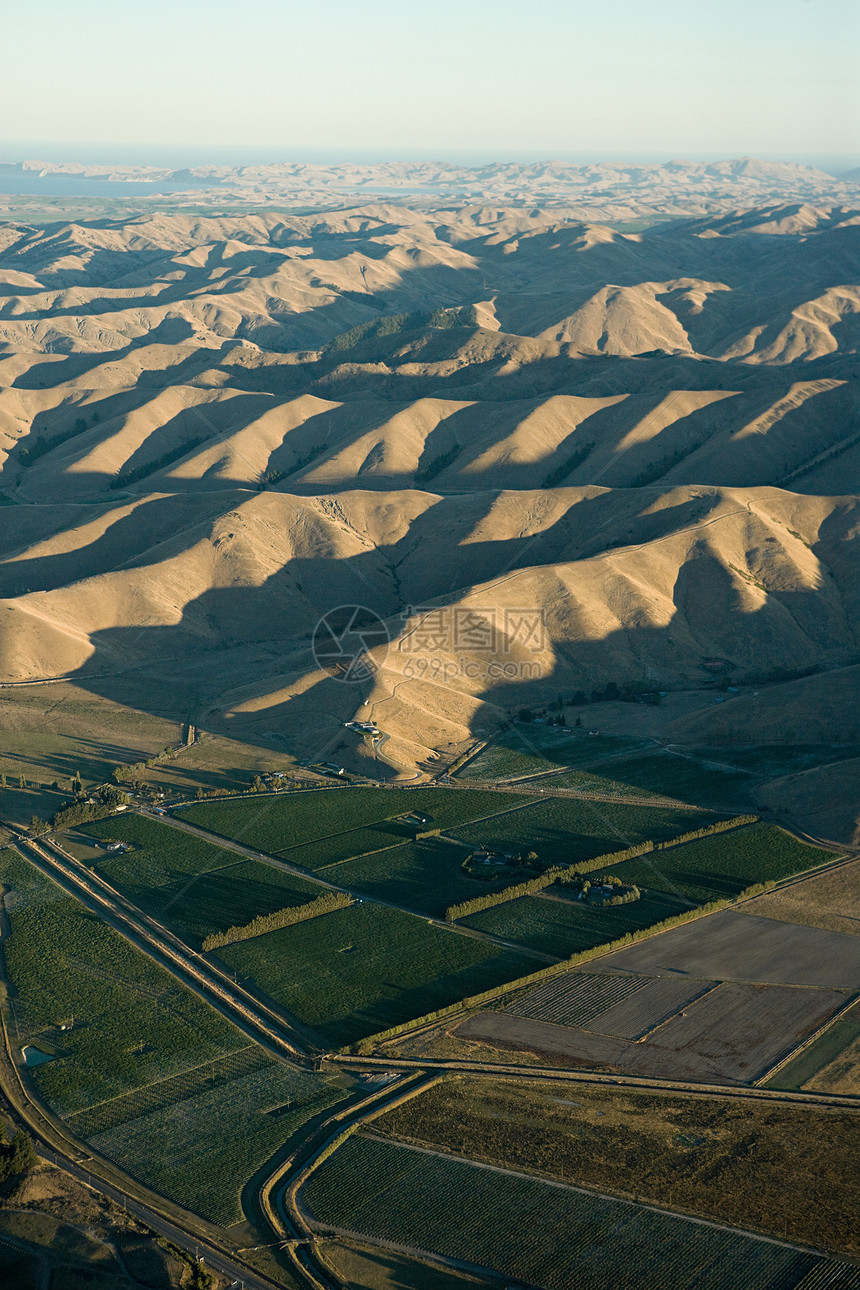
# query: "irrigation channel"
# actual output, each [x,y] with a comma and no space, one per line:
[279,1195]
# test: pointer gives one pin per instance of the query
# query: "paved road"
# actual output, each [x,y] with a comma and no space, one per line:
[51,1141]
[251,853]
[170,952]
[428,1065]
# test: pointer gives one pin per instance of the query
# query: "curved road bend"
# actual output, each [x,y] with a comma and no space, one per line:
[65,1153]
[428,1065]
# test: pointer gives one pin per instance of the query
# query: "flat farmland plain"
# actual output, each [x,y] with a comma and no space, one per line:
[722,865]
[723,999]
[360,970]
[148,1073]
[567,831]
[829,900]
[541,1233]
[619,1004]
[426,876]
[218,1136]
[686,779]
[735,1032]
[659,999]
[284,823]
[564,927]
[163,861]
[733,945]
[232,897]
[540,750]
[729,1033]
[133,1022]
[702,1154]
[193,886]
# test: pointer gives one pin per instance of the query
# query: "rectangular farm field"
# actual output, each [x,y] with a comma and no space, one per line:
[161,862]
[722,865]
[284,823]
[567,831]
[233,896]
[686,779]
[218,1136]
[539,749]
[563,927]
[587,781]
[109,1018]
[426,876]
[535,1232]
[360,970]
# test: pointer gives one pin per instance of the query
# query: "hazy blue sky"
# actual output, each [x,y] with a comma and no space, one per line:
[763,77]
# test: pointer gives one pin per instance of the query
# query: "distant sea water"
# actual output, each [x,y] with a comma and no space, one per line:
[30,184]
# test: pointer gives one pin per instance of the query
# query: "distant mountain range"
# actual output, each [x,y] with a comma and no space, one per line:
[608,190]
[214,430]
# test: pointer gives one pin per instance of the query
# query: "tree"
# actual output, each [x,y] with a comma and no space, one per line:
[112,796]
[38,826]
[21,782]
[16,1156]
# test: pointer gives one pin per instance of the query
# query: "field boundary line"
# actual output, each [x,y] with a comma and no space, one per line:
[591,1191]
[762,1079]
[70,1115]
[710,987]
[204,874]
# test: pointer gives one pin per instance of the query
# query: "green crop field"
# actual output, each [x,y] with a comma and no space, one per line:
[149,1073]
[233,896]
[724,864]
[539,748]
[686,779]
[567,830]
[192,885]
[563,927]
[311,828]
[363,969]
[162,862]
[133,1022]
[426,876]
[218,1137]
[329,852]
[533,1231]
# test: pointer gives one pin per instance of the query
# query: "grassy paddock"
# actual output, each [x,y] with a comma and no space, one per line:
[723,865]
[702,1155]
[533,1232]
[363,969]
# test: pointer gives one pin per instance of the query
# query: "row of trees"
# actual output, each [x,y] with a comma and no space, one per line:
[720,826]
[567,874]
[368,1044]
[326,904]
